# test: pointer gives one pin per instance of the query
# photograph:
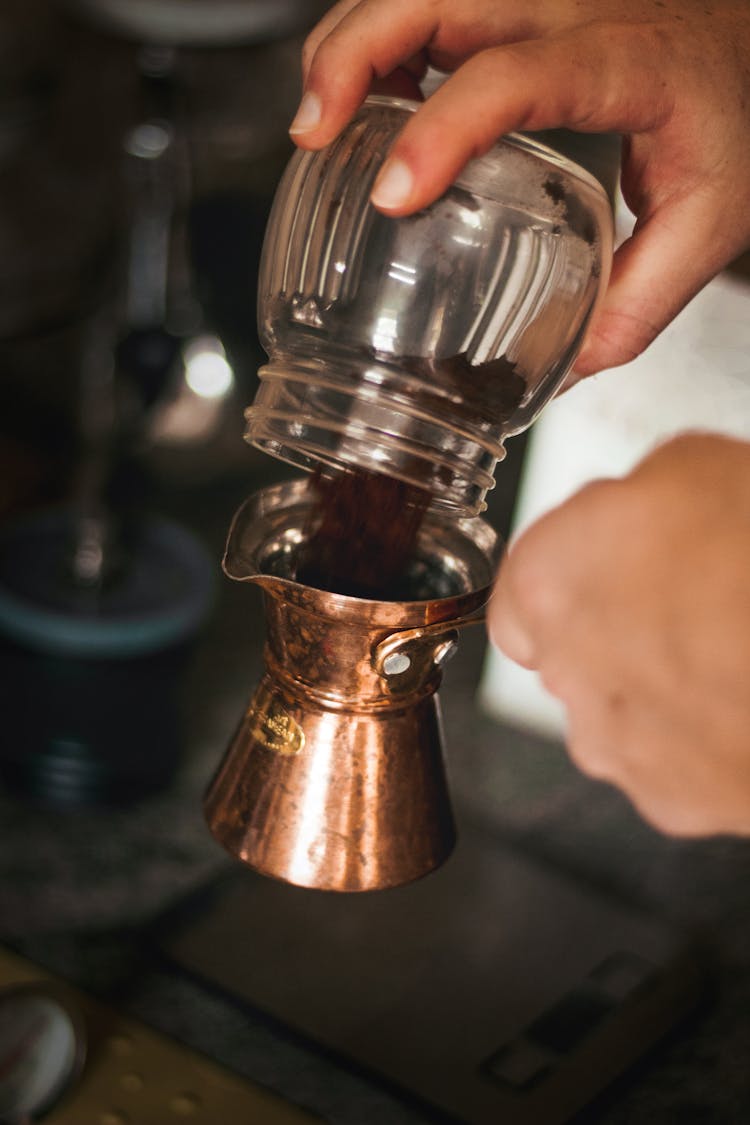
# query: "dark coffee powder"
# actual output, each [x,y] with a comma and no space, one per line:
[489,392]
[361,534]
[363,526]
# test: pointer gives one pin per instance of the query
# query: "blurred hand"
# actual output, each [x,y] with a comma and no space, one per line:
[633,602]
[673,76]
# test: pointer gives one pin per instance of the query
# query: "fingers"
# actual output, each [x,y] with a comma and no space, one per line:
[560,79]
[507,629]
[529,602]
[461,29]
[537,84]
[357,42]
[322,29]
[535,66]
[542,603]
[658,759]
[351,36]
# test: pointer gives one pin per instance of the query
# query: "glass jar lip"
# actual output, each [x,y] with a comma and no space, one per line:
[515,140]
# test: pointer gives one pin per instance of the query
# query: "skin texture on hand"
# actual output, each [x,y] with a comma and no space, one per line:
[632,600]
[673,76]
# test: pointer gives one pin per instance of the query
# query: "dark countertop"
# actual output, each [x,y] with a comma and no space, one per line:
[79,892]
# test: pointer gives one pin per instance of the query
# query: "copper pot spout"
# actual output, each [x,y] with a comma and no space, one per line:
[335,776]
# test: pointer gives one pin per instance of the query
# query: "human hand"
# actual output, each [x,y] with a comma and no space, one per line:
[672,76]
[632,600]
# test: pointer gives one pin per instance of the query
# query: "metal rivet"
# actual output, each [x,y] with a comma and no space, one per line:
[445,651]
[396,663]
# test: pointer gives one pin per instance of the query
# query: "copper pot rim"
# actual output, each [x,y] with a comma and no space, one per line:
[267,515]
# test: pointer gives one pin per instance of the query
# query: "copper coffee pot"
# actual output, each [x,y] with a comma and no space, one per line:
[335,777]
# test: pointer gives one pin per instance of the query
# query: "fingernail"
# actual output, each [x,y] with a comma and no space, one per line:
[394,185]
[308,115]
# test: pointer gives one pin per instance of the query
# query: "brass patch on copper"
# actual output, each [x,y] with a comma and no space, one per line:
[272,726]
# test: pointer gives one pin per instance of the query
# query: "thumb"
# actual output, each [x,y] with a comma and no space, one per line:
[669,257]
[507,626]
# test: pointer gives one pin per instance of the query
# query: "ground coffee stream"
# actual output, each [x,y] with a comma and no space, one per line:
[361,534]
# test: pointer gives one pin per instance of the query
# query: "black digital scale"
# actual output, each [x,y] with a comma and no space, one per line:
[495,990]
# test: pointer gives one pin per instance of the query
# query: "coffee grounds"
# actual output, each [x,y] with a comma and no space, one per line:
[361,534]
[489,392]
[363,527]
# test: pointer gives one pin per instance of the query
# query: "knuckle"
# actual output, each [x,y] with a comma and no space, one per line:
[621,335]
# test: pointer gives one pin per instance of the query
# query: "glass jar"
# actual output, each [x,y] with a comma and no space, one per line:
[415,346]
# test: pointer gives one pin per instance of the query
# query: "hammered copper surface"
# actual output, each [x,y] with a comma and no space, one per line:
[335,776]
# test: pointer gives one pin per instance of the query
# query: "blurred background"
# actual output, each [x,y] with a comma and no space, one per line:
[140,145]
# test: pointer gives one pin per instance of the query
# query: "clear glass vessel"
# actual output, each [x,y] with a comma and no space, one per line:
[415,346]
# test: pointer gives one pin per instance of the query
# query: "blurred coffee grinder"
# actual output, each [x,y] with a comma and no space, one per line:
[100,599]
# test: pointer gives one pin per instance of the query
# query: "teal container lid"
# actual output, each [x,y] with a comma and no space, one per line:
[161,600]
